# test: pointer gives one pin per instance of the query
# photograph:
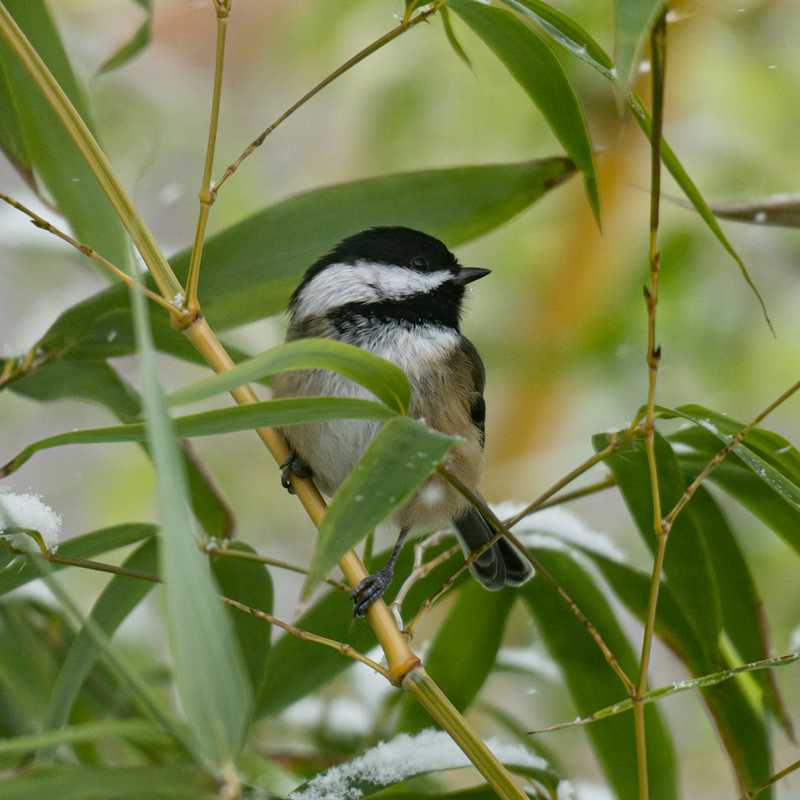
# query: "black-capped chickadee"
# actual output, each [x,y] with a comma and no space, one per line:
[398,293]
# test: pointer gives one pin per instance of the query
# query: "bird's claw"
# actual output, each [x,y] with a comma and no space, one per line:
[370,590]
[293,466]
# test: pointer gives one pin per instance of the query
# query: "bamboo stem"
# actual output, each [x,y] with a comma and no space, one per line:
[753,793]
[658,62]
[222,8]
[443,712]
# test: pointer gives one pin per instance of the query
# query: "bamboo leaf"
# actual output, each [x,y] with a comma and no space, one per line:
[82,782]
[251,268]
[688,559]
[140,39]
[471,634]
[567,34]
[119,598]
[383,378]
[398,459]
[633,21]
[535,67]
[777,210]
[88,545]
[250,583]
[451,37]
[98,382]
[209,674]
[591,682]
[209,423]
[40,142]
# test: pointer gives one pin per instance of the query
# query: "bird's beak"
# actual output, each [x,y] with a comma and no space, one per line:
[469,274]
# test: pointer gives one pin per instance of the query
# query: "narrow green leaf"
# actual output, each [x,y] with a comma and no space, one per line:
[209,423]
[535,67]
[135,729]
[742,484]
[566,33]
[688,559]
[471,634]
[209,674]
[742,729]
[451,37]
[251,268]
[563,30]
[134,45]
[250,583]
[119,598]
[88,545]
[48,149]
[400,457]
[383,378]
[634,20]
[681,176]
[98,382]
[591,682]
[82,782]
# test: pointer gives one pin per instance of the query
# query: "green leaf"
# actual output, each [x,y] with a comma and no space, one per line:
[98,382]
[209,674]
[134,45]
[767,454]
[591,682]
[82,782]
[88,545]
[451,37]
[740,483]
[40,142]
[688,559]
[398,459]
[250,583]
[634,20]
[209,423]
[119,598]
[566,33]
[742,729]
[134,729]
[535,67]
[681,176]
[251,268]
[471,634]
[383,378]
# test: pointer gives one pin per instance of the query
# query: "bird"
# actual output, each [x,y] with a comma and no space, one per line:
[398,293]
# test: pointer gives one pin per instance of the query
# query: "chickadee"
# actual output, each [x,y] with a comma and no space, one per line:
[398,293]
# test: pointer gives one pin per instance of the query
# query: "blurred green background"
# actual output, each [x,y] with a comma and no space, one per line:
[561,323]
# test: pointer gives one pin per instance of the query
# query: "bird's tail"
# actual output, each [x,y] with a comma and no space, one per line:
[501,565]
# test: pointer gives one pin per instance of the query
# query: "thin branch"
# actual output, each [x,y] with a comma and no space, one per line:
[502,531]
[222,8]
[772,780]
[349,64]
[273,562]
[292,630]
[539,502]
[658,66]
[577,494]
[41,222]
[692,488]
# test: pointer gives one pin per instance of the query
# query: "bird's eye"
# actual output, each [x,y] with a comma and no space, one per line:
[418,262]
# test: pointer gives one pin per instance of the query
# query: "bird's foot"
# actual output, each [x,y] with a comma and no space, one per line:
[293,465]
[371,589]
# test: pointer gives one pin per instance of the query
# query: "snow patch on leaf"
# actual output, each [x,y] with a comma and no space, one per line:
[29,512]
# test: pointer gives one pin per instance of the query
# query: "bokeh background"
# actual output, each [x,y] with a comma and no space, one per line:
[561,322]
